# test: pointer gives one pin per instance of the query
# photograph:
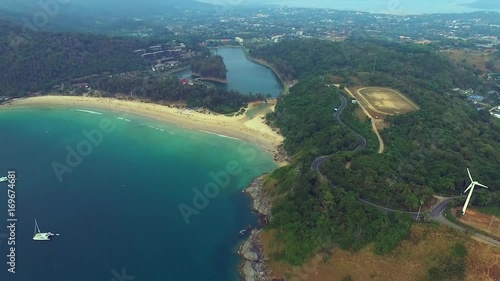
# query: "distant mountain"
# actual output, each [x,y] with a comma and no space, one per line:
[484,4]
[91,15]
[99,8]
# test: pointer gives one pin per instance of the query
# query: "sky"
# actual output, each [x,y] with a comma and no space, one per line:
[384,6]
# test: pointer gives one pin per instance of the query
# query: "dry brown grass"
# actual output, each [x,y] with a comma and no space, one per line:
[385,101]
[477,58]
[411,261]
[358,112]
[484,222]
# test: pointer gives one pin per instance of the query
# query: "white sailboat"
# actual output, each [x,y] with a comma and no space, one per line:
[41,236]
[2,179]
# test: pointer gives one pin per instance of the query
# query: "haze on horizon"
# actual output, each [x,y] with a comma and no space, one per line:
[130,7]
[381,6]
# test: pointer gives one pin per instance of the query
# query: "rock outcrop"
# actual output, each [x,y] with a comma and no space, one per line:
[253,267]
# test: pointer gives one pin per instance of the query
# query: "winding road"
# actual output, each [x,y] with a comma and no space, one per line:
[373,121]
[336,115]
[435,211]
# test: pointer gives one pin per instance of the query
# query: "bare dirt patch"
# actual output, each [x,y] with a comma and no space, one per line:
[484,222]
[411,261]
[385,101]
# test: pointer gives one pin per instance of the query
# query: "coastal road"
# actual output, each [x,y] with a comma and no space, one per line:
[436,211]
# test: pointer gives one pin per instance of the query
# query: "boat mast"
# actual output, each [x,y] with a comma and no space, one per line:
[37,229]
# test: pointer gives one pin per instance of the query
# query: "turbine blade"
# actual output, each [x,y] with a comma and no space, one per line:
[470,185]
[481,185]
[468,172]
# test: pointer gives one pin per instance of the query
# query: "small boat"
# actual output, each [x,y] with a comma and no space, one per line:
[2,179]
[41,236]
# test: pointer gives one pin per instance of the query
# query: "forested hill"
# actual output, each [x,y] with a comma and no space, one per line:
[32,61]
[427,151]
[377,61]
[212,67]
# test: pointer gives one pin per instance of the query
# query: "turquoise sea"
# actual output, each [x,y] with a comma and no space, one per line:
[111,185]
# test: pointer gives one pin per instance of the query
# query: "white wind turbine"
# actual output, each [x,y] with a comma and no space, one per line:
[471,187]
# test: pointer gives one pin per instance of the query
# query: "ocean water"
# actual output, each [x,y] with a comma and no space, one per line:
[111,186]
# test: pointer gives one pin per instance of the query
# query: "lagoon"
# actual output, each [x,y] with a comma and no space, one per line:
[243,75]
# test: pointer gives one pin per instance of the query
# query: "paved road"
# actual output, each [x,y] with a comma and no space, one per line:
[336,115]
[437,215]
[373,121]
[435,211]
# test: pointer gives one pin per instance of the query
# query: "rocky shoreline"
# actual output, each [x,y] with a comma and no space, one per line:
[253,267]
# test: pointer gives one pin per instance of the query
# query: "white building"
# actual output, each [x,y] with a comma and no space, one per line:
[239,40]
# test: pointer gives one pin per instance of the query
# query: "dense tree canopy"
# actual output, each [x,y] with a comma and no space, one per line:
[34,61]
[426,151]
[309,213]
[213,67]
[168,89]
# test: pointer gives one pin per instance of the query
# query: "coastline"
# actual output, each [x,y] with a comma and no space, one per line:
[253,266]
[241,127]
[285,84]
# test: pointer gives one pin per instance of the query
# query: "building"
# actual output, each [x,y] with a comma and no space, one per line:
[239,40]
[477,98]
[185,81]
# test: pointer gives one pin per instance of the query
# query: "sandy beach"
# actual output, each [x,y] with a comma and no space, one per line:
[241,127]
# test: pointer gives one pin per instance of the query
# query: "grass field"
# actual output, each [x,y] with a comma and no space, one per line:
[476,58]
[410,262]
[385,101]
[478,220]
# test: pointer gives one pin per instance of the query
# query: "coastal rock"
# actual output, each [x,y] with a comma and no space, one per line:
[250,250]
[280,155]
[253,267]
[261,204]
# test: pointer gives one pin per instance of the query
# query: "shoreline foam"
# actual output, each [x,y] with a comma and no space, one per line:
[239,127]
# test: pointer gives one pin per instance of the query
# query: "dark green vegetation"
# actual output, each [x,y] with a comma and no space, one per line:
[212,67]
[34,61]
[426,151]
[38,61]
[451,267]
[309,213]
[305,118]
[168,89]
[486,201]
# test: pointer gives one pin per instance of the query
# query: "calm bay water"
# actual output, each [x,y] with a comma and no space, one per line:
[244,75]
[118,210]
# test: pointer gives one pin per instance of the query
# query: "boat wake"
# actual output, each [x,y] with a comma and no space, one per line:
[88,111]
